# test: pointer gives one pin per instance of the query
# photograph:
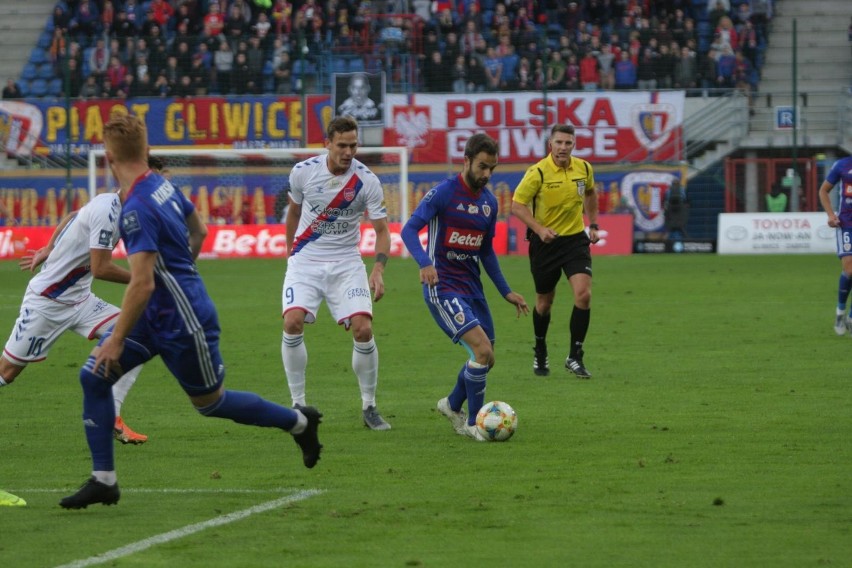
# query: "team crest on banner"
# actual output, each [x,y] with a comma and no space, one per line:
[459,317]
[645,193]
[652,123]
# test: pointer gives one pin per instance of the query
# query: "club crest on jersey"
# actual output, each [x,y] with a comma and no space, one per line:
[581,187]
[459,317]
[130,222]
[349,193]
[486,210]
[847,189]
[472,209]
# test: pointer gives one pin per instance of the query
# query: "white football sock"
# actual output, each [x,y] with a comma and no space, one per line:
[122,387]
[294,354]
[365,363]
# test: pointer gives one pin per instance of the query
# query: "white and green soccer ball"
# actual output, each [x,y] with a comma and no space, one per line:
[496,421]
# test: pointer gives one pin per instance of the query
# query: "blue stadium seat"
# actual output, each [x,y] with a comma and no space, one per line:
[356,64]
[29,72]
[54,87]
[38,88]
[339,65]
[45,71]
[44,40]
[25,87]
[38,56]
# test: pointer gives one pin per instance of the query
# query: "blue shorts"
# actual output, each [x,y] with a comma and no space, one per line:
[457,315]
[194,359]
[844,241]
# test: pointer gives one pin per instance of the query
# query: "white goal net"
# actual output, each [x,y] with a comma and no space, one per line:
[237,187]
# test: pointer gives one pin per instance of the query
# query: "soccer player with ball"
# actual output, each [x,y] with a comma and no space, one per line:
[461,214]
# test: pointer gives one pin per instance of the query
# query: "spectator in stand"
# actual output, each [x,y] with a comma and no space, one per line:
[235,25]
[184,56]
[526,78]
[707,70]
[99,59]
[590,77]
[555,71]
[161,87]
[61,18]
[135,14]
[223,61]
[470,39]
[685,70]
[459,75]
[199,76]
[625,72]
[646,79]
[664,69]
[58,48]
[186,15]
[241,78]
[718,12]
[90,89]
[12,90]
[214,23]
[760,16]
[725,65]
[747,40]
[283,74]
[493,69]
[121,26]
[510,62]
[75,78]
[107,18]
[476,75]
[150,24]
[452,49]
[436,75]
[606,64]
[163,11]
[87,19]
[255,57]
[282,16]
[727,33]
[116,71]
[572,74]
[743,77]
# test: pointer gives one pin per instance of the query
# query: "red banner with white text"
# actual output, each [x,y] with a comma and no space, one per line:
[610,127]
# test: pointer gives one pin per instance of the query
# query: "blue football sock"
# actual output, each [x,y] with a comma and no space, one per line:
[474,382]
[98,417]
[843,291]
[249,408]
[459,394]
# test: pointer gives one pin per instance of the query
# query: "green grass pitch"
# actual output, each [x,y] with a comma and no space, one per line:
[715,432]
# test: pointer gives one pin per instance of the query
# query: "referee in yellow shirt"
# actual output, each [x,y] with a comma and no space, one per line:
[551,200]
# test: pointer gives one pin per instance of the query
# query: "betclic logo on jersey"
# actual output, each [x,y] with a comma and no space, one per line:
[466,239]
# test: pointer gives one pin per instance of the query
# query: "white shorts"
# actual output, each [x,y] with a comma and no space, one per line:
[42,321]
[343,284]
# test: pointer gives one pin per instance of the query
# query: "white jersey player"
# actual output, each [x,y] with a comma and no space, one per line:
[329,195]
[59,298]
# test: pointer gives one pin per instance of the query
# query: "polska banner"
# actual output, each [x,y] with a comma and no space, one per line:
[610,127]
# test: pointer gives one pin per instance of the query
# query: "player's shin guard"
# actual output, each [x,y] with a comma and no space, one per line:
[98,417]
[294,355]
[579,327]
[249,408]
[843,288]
[365,363]
[474,382]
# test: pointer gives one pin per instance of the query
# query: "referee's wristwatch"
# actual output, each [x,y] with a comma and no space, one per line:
[594,226]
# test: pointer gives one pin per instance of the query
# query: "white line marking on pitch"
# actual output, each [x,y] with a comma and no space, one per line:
[190,529]
[164,490]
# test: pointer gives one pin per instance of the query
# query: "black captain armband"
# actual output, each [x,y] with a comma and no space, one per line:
[382,259]
[594,226]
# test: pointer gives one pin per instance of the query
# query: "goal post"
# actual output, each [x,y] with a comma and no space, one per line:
[242,185]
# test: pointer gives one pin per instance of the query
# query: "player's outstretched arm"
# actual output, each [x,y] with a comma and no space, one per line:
[34,258]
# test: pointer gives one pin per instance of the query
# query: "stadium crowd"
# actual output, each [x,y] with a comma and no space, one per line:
[135,48]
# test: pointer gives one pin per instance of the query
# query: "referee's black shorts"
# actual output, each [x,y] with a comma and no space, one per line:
[569,255]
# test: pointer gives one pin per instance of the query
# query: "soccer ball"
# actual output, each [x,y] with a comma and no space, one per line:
[496,421]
